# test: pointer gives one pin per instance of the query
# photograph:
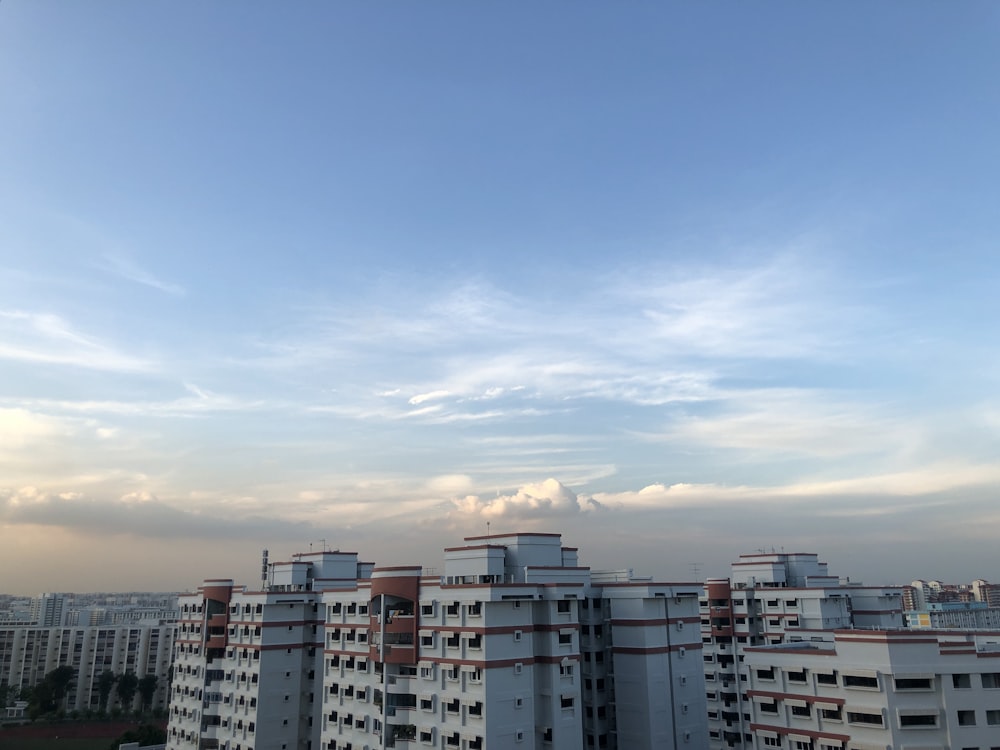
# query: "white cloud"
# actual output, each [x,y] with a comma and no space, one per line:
[44,338]
[922,482]
[777,309]
[131,271]
[768,422]
[544,499]
[432,396]
[200,401]
[20,427]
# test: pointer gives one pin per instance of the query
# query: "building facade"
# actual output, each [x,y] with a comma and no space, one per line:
[877,690]
[769,599]
[28,653]
[515,645]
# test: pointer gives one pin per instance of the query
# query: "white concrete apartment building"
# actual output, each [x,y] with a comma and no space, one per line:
[769,598]
[28,653]
[515,645]
[877,690]
[246,662]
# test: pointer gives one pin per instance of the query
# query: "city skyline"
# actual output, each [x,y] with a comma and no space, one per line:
[681,282]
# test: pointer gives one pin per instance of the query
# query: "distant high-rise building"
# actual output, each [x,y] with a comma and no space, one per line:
[28,653]
[49,610]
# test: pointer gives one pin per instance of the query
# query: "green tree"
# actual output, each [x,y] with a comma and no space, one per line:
[40,700]
[128,683]
[60,679]
[105,682]
[147,689]
[47,696]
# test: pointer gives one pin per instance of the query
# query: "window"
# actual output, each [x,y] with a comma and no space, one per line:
[801,711]
[862,717]
[832,714]
[563,606]
[993,717]
[962,681]
[859,681]
[566,701]
[517,635]
[565,639]
[991,680]
[797,676]
[566,670]
[769,708]
[772,741]
[918,720]
[967,718]
[824,678]
[913,683]
[765,674]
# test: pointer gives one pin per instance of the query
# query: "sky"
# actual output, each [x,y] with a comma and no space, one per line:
[680,281]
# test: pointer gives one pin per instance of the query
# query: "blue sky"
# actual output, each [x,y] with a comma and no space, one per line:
[681,281]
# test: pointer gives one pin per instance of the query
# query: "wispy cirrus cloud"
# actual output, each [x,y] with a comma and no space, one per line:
[793,421]
[45,338]
[782,308]
[128,269]
[200,402]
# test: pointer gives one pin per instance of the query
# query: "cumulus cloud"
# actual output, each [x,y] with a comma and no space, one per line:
[549,498]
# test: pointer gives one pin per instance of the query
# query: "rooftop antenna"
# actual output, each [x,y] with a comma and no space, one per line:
[487,530]
[695,569]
